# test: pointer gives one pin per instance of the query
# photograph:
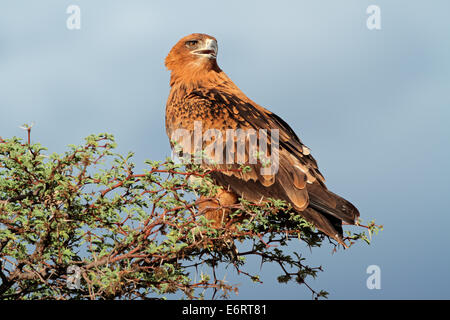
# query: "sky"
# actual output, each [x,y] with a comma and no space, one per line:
[372,105]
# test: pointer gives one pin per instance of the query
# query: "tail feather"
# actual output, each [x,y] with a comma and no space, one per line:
[332,209]
[329,225]
[327,202]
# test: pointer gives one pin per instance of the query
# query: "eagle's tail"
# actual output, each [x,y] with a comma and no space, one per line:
[330,210]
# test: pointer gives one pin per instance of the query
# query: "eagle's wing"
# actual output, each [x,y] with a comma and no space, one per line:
[298,179]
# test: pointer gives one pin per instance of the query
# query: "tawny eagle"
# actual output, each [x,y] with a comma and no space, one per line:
[202,93]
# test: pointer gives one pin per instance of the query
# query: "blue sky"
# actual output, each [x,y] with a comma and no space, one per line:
[373,106]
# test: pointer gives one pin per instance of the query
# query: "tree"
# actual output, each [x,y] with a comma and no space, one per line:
[84,225]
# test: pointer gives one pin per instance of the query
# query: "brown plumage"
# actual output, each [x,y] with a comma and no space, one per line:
[201,91]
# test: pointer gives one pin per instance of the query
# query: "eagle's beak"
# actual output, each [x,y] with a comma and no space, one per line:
[209,49]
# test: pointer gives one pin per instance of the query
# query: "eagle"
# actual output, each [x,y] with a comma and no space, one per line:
[203,99]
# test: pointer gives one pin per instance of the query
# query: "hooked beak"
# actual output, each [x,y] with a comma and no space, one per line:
[209,50]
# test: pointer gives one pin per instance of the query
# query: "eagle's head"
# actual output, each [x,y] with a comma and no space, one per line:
[195,51]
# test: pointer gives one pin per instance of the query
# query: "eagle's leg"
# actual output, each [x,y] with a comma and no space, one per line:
[216,208]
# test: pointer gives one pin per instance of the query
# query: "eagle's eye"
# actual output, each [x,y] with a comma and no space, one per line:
[191,43]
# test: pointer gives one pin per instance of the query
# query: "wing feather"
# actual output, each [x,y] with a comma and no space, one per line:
[298,180]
